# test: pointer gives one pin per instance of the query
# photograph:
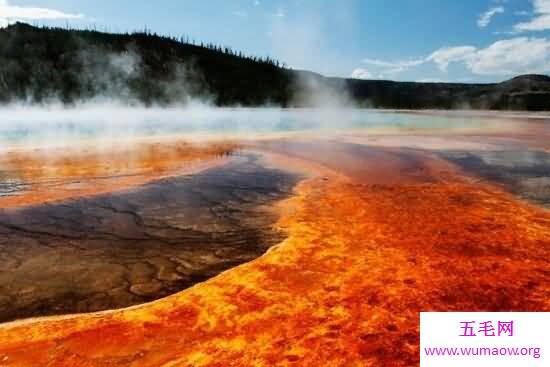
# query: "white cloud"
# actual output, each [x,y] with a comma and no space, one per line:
[361,73]
[541,21]
[518,55]
[257,3]
[432,80]
[385,69]
[485,18]
[393,67]
[10,13]
[512,56]
[438,80]
[446,55]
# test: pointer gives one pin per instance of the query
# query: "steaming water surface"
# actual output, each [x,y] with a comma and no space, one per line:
[103,125]
[166,235]
[52,126]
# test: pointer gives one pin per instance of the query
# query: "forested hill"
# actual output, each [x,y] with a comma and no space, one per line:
[69,65]
[52,64]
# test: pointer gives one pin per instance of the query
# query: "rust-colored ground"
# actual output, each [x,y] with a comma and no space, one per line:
[374,237]
[60,173]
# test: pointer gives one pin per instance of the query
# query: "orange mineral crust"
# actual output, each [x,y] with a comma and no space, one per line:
[365,253]
[52,174]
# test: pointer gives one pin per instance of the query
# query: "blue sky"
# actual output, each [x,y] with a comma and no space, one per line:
[417,40]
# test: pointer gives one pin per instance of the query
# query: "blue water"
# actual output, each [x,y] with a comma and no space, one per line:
[55,125]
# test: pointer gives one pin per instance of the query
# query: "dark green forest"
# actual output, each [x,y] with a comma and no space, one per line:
[40,65]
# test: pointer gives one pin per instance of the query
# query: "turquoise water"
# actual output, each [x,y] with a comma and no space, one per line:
[52,125]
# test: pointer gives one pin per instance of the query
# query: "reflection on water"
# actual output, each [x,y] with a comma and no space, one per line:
[533,162]
[53,174]
[525,173]
[10,186]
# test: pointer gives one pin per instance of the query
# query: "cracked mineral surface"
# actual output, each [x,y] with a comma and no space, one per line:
[120,249]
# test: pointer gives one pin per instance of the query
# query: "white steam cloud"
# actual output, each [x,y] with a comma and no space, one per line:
[110,124]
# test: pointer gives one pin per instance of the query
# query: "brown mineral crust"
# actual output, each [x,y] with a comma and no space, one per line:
[134,246]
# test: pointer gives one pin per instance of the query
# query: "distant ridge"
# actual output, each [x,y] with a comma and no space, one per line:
[531,78]
[52,64]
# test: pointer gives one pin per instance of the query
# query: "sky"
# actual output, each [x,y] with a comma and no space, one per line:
[409,40]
